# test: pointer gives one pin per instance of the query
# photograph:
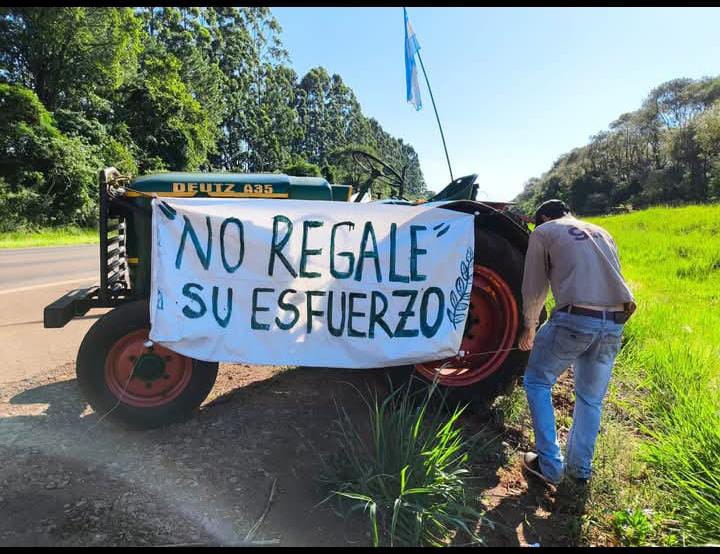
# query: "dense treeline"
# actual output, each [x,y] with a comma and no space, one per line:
[666,152]
[155,89]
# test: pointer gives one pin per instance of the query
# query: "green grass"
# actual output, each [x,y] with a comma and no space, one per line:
[48,237]
[667,380]
[406,472]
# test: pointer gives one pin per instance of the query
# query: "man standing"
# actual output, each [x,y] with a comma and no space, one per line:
[580,262]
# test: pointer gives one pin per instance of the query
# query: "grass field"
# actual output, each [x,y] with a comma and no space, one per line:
[48,237]
[662,426]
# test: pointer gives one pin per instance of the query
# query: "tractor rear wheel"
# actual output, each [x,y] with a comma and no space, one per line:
[489,362]
[134,384]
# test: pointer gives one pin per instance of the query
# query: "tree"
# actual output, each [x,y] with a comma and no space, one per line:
[186,33]
[708,137]
[167,125]
[68,56]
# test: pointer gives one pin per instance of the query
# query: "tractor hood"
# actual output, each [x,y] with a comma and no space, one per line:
[238,185]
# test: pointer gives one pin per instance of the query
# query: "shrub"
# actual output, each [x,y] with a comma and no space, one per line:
[50,179]
[301,168]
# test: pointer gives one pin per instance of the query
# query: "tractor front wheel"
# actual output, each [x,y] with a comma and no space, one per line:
[142,386]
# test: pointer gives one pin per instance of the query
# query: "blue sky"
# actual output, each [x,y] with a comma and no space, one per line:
[515,87]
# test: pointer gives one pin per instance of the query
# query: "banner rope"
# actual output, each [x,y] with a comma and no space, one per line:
[111,410]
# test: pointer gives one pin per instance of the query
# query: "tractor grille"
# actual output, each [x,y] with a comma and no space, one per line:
[114,276]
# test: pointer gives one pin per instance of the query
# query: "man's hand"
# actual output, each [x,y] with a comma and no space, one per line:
[527,339]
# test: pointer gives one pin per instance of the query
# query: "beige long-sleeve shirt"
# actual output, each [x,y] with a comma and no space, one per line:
[580,261]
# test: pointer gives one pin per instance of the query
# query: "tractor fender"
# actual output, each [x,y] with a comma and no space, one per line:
[488,217]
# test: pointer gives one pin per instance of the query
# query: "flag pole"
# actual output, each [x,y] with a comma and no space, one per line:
[442,135]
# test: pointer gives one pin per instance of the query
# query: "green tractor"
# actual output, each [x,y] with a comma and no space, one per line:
[144,385]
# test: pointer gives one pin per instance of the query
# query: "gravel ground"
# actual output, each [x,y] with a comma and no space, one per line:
[68,478]
[244,468]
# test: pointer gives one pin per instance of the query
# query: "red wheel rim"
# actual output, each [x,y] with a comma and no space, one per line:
[490,333]
[160,375]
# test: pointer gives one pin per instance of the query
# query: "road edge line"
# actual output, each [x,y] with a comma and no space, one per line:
[47,285]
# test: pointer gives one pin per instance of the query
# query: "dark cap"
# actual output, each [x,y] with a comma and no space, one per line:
[552,208]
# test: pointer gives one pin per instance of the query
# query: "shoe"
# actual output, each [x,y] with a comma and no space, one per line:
[583,481]
[569,472]
[531,462]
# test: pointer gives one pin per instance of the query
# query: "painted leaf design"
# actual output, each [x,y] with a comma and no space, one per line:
[450,316]
[460,296]
[460,286]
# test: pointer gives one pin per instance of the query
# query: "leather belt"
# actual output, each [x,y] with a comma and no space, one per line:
[599,314]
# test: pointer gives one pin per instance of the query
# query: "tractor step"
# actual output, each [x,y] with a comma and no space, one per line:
[74,304]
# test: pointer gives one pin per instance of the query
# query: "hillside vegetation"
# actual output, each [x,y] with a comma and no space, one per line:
[665,152]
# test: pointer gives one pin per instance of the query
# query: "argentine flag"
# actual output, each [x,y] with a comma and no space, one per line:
[411,47]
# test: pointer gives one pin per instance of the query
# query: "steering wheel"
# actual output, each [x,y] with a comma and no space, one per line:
[378,170]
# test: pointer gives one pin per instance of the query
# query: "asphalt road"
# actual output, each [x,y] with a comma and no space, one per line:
[30,279]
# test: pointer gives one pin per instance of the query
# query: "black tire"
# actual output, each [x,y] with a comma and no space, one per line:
[497,253]
[90,370]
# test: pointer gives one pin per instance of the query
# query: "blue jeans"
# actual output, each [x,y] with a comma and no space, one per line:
[591,345]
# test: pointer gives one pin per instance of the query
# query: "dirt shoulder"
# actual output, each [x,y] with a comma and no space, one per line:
[68,478]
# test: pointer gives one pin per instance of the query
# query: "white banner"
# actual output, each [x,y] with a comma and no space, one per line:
[299,282]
